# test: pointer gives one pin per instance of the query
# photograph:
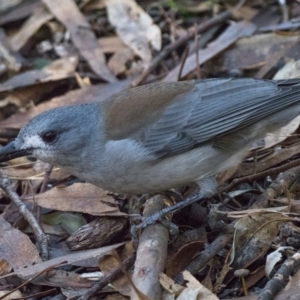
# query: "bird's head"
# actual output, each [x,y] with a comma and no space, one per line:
[58,136]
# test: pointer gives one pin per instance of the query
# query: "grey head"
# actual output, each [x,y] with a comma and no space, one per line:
[59,136]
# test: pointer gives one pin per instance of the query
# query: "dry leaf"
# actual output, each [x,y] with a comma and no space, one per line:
[14,295]
[39,17]
[134,26]
[79,256]
[96,92]
[182,258]
[59,69]
[253,237]
[82,36]
[79,197]
[24,252]
[111,44]
[233,33]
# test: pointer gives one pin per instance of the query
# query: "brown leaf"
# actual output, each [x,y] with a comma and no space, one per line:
[16,248]
[134,26]
[183,256]
[39,17]
[57,70]
[83,37]
[117,63]
[4,267]
[111,44]
[79,256]
[252,52]
[253,236]
[109,263]
[80,197]
[227,38]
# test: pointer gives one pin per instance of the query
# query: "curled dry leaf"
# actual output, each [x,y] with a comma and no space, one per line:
[4,267]
[290,70]
[193,285]
[253,237]
[134,26]
[99,232]
[275,257]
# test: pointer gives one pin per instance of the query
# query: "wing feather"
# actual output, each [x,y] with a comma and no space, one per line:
[213,108]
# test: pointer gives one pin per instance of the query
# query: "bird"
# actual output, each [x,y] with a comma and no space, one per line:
[160,136]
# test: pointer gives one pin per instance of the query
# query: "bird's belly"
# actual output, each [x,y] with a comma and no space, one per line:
[134,171]
[156,175]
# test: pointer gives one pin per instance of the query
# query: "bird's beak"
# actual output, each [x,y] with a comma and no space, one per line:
[11,151]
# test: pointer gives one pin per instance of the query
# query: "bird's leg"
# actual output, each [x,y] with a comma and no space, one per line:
[208,187]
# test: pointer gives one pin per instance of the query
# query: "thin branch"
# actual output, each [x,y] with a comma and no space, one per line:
[41,238]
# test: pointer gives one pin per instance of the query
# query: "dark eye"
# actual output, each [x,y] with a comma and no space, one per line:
[49,136]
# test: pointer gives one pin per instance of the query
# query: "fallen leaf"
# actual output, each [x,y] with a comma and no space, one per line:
[79,256]
[39,17]
[134,26]
[181,259]
[96,92]
[253,236]
[79,197]
[82,36]
[59,69]
[24,252]
[233,33]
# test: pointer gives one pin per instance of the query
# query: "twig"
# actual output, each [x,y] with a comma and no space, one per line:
[200,29]
[197,53]
[46,179]
[185,55]
[284,10]
[117,273]
[151,253]
[29,217]
[281,278]
[263,174]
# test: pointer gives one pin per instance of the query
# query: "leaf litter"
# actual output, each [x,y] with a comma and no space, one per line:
[57,53]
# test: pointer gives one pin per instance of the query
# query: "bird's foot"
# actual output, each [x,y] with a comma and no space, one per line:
[149,220]
[207,189]
[160,216]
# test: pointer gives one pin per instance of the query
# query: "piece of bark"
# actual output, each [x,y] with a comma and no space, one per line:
[97,233]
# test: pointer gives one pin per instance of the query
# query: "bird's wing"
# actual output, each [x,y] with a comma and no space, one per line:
[209,109]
